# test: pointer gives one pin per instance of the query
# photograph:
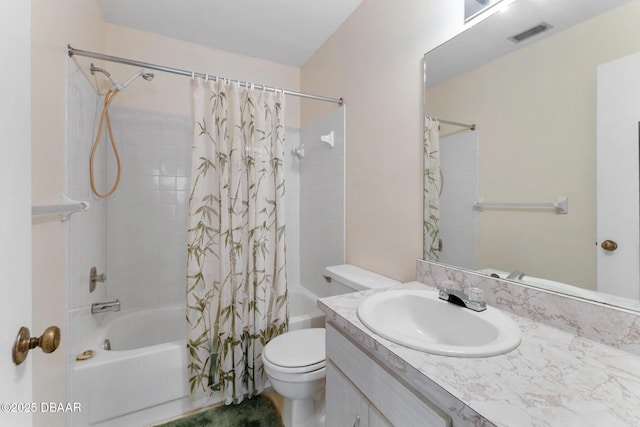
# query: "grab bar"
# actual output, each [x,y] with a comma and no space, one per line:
[67,208]
[561,205]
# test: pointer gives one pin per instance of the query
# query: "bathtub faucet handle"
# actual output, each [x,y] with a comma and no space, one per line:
[94,278]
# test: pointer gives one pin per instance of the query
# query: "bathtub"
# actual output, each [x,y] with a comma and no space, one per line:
[303,309]
[144,378]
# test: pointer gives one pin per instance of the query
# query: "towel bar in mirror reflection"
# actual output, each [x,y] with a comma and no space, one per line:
[560,204]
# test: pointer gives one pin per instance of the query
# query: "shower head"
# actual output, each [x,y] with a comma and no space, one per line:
[113,80]
[102,70]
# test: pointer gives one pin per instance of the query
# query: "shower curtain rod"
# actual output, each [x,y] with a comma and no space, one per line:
[449,122]
[72,51]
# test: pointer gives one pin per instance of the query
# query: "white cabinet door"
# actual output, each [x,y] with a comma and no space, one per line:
[345,405]
[376,419]
[391,398]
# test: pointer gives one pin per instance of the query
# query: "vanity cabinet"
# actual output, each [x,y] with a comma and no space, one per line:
[346,406]
[361,392]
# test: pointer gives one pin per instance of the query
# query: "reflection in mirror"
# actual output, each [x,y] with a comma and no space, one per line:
[473,8]
[544,108]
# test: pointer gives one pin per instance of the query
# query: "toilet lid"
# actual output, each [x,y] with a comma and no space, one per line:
[304,347]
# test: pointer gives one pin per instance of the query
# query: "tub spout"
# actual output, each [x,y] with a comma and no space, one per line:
[101,307]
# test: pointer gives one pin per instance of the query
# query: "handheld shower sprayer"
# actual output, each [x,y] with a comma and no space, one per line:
[108,98]
[142,73]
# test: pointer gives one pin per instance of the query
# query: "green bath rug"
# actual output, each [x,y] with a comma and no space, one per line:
[255,412]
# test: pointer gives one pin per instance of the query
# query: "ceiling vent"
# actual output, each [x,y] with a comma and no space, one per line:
[533,31]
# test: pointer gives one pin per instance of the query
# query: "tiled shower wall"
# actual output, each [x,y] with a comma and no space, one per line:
[322,200]
[147,215]
[458,218]
[292,206]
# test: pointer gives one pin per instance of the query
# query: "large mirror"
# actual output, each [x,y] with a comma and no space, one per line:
[473,8]
[548,112]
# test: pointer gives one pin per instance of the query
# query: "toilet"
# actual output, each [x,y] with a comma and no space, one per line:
[295,361]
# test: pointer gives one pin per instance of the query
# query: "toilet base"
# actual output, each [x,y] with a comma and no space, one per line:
[304,412]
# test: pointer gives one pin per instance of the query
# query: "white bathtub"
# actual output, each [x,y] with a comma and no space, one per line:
[303,309]
[144,377]
[145,374]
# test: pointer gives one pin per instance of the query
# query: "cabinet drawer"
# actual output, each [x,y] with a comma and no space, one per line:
[395,401]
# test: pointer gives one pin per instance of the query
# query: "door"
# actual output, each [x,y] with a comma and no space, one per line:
[618,186]
[15,211]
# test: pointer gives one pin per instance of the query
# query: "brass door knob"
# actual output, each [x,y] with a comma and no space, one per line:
[48,342]
[609,245]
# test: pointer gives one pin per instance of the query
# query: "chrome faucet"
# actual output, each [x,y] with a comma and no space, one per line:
[473,300]
[101,307]
[515,275]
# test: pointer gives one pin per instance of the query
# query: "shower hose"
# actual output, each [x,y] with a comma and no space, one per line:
[108,98]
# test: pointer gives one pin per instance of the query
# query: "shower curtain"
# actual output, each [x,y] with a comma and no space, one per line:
[236,278]
[432,187]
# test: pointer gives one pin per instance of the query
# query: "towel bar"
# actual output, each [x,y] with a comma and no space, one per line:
[561,205]
[67,208]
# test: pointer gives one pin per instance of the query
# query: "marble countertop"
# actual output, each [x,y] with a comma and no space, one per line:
[553,378]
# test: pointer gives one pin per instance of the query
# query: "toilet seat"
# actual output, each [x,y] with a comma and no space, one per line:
[298,351]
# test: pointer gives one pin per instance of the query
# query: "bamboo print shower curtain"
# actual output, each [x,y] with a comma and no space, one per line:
[236,280]
[432,187]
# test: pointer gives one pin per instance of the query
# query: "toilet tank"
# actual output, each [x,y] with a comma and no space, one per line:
[346,278]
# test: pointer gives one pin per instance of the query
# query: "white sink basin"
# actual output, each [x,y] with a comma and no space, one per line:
[420,320]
